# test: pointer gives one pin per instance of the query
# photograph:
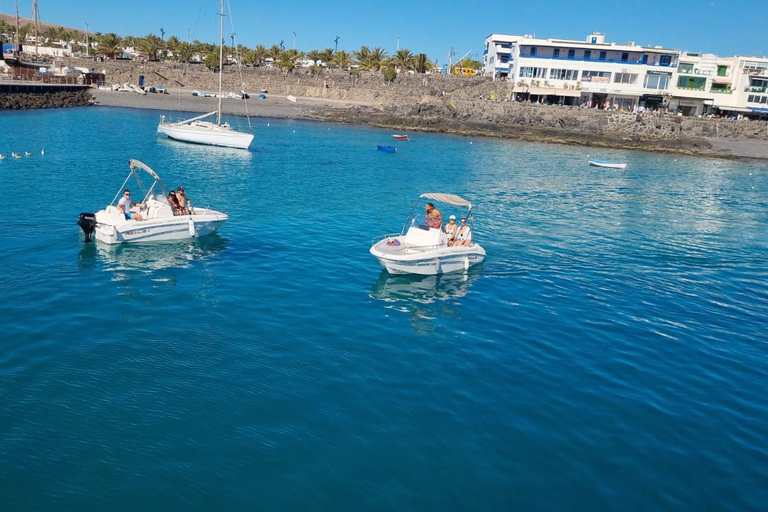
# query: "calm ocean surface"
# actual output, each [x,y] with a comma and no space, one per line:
[610,354]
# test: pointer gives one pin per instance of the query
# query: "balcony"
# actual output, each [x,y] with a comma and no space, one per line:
[721,91]
[755,89]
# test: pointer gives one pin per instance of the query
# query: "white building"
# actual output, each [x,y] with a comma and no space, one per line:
[607,75]
[590,72]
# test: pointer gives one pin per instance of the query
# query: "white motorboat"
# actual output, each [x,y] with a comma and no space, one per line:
[606,164]
[421,249]
[159,222]
[196,130]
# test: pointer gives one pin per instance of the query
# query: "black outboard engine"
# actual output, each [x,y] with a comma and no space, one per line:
[87,222]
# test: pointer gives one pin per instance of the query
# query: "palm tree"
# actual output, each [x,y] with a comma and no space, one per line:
[173,44]
[286,61]
[274,51]
[185,52]
[403,59]
[109,45]
[362,55]
[326,55]
[151,45]
[6,31]
[342,59]
[314,56]
[259,54]
[378,57]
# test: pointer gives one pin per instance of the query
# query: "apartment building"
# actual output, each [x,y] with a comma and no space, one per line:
[596,73]
[591,72]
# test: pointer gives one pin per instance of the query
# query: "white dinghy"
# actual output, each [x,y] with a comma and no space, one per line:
[608,165]
[423,249]
[159,221]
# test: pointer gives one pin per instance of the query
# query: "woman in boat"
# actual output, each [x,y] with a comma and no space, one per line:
[174,202]
[451,229]
[184,201]
[464,235]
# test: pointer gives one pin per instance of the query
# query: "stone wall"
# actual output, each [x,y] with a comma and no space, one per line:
[23,101]
[424,100]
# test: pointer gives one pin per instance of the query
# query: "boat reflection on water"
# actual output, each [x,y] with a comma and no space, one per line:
[150,258]
[424,297]
[422,289]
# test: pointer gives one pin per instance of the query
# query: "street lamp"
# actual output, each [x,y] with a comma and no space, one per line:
[87,44]
[336,48]
[294,40]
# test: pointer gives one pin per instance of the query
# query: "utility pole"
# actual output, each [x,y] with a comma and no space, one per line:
[87,43]
[336,48]
[294,40]
[398,43]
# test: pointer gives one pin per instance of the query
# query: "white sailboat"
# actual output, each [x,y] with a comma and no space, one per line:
[198,131]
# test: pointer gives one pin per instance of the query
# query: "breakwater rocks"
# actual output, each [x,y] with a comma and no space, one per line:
[459,105]
[52,99]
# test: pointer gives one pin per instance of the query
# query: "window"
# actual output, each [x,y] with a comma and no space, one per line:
[596,76]
[685,67]
[625,78]
[556,52]
[658,82]
[722,70]
[665,60]
[756,98]
[529,72]
[533,50]
[526,72]
[563,74]
[571,53]
[587,54]
[602,55]
[624,57]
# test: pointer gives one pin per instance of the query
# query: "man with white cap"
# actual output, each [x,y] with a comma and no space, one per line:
[451,229]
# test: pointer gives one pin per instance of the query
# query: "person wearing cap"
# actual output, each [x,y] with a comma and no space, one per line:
[450,229]
[186,205]
[464,235]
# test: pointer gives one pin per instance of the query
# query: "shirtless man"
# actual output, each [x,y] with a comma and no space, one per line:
[433,216]
[125,204]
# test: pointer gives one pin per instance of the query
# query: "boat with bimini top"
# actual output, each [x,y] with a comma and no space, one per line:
[422,247]
[158,220]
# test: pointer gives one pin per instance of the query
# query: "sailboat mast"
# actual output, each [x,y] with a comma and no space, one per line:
[221,59]
[16,37]
[37,23]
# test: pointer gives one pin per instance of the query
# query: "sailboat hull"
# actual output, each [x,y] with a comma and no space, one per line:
[203,132]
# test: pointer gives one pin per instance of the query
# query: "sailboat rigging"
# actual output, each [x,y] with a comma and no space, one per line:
[198,131]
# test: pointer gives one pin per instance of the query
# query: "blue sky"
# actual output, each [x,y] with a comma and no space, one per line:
[735,27]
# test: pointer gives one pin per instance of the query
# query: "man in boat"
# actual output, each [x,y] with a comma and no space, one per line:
[125,204]
[184,202]
[433,216]
[451,229]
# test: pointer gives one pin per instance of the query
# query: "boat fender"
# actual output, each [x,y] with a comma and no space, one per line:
[87,222]
[192,228]
[466,262]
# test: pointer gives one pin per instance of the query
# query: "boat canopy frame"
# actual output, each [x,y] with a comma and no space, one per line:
[135,166]
[439,197]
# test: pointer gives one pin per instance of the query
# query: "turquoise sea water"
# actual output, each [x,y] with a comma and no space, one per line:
[610,354]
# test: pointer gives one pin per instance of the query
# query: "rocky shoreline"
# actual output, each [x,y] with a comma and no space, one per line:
[430,103]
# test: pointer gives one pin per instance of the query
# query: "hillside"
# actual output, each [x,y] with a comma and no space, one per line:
[11,20]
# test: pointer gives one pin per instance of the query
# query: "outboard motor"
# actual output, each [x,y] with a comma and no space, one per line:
[87,222]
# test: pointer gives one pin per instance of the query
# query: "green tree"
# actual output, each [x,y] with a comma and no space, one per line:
[212,61]
[326,56]
[173,45]
[151,45]
[185,52]
[314,56]
[109,45]
[342,59]
[389,73]
[259,54]
[403,59]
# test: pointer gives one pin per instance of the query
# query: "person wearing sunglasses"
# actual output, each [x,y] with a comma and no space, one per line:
[125,204]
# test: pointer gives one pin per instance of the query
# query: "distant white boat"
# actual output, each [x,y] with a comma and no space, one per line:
[609,165]
[198,131]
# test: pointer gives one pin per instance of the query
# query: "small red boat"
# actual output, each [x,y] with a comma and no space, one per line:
[401,137]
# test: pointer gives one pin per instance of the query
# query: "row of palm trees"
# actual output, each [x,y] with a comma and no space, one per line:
[111,45]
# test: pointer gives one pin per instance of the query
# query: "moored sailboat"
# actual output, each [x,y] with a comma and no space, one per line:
[198,131]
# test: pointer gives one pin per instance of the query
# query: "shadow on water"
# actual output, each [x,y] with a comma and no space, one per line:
[151,257]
